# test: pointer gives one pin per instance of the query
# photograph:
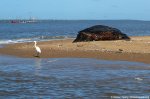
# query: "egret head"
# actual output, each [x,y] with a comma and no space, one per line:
[34,43]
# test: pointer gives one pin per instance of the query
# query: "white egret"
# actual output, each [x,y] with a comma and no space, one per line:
[37,49]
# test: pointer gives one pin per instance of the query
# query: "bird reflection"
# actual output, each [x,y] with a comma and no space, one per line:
[37,65]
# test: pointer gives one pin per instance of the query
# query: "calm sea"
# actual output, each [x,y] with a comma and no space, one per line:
[70,78]
[51,29]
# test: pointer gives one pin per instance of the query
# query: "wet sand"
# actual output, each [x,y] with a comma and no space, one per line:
[137,49]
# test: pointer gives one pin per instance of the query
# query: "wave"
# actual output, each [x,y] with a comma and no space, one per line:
[39,38]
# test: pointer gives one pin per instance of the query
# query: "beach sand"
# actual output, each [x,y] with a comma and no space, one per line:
[137,49]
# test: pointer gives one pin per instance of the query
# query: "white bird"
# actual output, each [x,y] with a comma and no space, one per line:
[37,49]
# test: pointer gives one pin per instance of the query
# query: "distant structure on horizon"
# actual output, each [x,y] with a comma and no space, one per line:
[31,20]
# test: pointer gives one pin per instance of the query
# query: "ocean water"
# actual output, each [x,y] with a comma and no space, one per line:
[69,78]
[54,29]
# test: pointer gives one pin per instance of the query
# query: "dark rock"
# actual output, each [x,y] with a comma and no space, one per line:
[100,32]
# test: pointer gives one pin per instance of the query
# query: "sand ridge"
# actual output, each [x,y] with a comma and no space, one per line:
[137,49]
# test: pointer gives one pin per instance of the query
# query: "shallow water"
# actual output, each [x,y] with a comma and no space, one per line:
[79,78]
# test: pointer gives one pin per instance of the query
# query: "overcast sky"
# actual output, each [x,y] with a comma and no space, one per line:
[76,9]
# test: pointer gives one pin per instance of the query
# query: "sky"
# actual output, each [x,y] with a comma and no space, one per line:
[75,9]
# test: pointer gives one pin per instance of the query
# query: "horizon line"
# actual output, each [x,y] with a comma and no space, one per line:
[77,19]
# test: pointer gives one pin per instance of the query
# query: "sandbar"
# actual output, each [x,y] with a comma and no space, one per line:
[137,49]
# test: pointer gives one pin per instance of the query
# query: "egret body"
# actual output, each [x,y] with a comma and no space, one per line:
[37,49]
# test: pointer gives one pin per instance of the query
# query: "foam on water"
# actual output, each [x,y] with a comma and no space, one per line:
[13,41]
[40,38]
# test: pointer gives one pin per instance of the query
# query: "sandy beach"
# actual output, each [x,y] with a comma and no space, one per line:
[137,49]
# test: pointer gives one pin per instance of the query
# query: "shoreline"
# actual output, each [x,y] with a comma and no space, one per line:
[136,50]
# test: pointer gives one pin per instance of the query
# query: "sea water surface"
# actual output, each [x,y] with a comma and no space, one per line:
[71,78]
[61,78]
[62,29]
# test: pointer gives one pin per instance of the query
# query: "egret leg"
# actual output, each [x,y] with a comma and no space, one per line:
[37,55]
